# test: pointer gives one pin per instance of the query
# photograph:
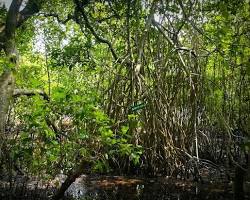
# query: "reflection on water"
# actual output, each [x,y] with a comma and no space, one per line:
[120,188]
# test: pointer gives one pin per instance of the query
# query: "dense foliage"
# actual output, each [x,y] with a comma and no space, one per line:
[133,86]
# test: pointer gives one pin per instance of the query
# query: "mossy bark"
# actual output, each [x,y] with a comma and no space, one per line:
[7,83]
[7,80]
[14,19]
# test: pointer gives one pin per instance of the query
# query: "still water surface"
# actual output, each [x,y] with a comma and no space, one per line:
[122,188]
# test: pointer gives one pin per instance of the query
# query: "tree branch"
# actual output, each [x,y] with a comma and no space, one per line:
[112,9]
[158,26]
[11,19]
[70,17]
[83,167]
[20,92]
[32,7]
[88,25]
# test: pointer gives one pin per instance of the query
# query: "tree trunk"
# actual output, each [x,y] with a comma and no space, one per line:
[7,83]
[83,167]
[14,19]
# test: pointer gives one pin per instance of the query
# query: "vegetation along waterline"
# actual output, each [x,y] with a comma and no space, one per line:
[125,99]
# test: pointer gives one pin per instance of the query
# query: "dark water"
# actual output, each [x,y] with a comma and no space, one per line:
[125,188]
[120,188]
